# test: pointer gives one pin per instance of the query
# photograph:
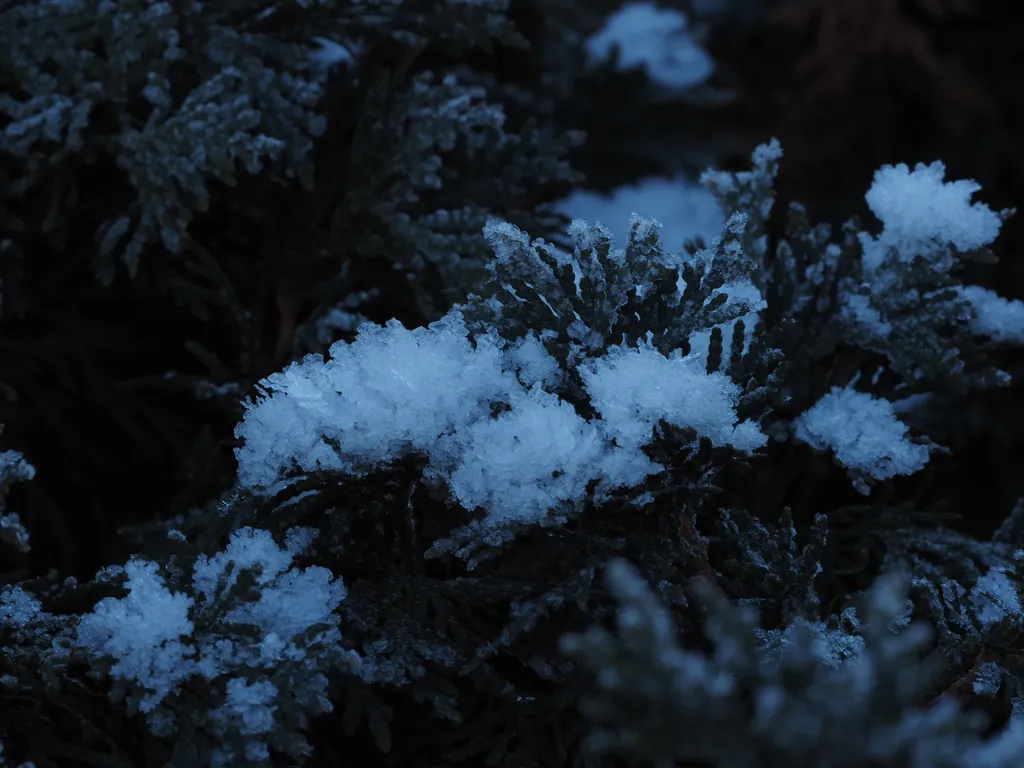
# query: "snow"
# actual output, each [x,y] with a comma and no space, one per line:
[685,209]
[331,53]
[248,548]
[998,318]
[633,388]
[17,607]
[920,214]
[13,469]
[507,464]
[251,704]
[864,432]
[391,390]
[994,596]
[655,39]
[857,312]
[834,646]
[159,640]
[430,390]
[143,632]
[534,364]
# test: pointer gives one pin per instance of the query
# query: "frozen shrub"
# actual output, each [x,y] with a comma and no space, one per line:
[584,353]
[560,336]
[589,403]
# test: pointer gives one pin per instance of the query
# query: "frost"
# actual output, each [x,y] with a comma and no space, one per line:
[17,607]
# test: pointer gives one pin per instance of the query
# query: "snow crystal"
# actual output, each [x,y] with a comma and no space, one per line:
[17,607]
[391,389]
[632,389]
[996,317]
[142,632]
[510,463]
[864,432]
[921,214]
[994,595]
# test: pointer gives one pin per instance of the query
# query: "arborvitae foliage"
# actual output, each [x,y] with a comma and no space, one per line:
[583,503]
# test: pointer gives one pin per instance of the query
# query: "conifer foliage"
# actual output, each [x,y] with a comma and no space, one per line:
[545,519]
